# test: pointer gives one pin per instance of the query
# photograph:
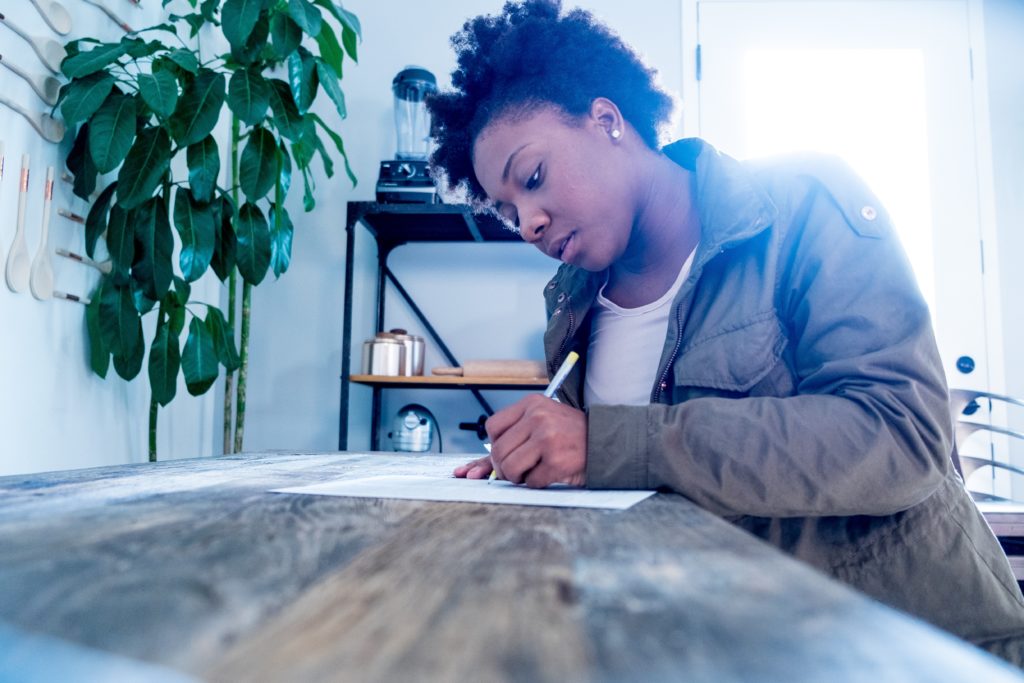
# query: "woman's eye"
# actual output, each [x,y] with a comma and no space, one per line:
[534,180]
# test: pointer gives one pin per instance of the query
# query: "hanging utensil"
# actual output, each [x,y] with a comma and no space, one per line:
[45,85]
[17,260]
[110,13]
[55,15]
[85,301]
[1,179]
[48,127]
[104,267]
[71,216]
[41,278]
[50,52]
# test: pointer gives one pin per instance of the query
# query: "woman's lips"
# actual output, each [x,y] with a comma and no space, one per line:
[567,249]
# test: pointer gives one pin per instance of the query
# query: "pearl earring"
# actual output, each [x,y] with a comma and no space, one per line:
[616,134]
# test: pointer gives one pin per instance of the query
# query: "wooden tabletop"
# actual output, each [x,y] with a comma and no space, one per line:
[190,569]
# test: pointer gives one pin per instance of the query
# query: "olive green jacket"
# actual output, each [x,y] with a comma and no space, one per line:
[800,395]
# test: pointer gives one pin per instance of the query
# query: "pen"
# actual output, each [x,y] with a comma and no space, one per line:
[553,385]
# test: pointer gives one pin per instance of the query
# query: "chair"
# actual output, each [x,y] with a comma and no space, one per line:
[1004,516]
[961,403]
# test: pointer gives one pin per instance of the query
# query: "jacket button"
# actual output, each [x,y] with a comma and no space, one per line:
[868,213]
[551,285]
[561,297]
[664,386]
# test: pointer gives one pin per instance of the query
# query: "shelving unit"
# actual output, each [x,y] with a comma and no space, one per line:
[392,225]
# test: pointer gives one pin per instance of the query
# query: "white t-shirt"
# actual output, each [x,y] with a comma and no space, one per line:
[625,347]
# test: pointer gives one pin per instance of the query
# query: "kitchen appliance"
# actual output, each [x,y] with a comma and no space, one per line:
[413,430]
[406,179]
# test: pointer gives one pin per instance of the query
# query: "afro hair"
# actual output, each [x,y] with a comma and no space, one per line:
[532,55]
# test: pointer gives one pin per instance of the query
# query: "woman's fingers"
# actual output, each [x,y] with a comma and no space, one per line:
[477,469]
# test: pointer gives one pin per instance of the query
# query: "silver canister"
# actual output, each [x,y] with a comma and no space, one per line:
[414,346]
[388,357]
[367,365]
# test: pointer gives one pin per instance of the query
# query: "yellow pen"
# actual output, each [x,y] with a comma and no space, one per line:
[553,386]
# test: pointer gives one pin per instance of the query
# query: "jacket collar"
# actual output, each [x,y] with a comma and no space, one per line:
[732,208]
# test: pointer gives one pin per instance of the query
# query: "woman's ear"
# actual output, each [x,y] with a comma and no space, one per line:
[608,118]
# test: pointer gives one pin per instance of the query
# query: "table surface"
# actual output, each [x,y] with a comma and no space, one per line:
[191,569]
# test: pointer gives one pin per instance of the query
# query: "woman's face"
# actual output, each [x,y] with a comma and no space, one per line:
[564,183]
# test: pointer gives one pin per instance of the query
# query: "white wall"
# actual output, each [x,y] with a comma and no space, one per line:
[1004,29]
[484,299]
[54,413]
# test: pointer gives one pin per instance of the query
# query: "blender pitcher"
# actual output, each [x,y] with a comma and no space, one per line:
[412,121]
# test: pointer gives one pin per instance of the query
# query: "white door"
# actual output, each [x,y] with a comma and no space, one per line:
[885,84]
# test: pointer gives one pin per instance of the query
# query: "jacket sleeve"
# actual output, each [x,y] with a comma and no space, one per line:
[867,430]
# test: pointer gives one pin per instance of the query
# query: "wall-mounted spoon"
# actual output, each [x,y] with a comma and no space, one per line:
[45,85]
[18,264]
[48,127]
[55,15]
[110,13]
[104,267]
[50,52]
[85,301]
[41,278]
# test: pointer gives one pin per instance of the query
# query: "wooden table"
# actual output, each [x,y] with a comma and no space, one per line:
[191,569]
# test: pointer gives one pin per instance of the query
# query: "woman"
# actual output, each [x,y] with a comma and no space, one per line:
[751,334]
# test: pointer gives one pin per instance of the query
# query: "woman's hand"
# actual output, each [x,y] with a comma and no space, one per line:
[477,469]
[538,441]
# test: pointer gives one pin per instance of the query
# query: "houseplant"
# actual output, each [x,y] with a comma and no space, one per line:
[155,97]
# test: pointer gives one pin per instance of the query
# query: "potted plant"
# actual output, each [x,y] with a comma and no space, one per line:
[154,97]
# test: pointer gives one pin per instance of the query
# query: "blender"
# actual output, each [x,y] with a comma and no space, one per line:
[405,178]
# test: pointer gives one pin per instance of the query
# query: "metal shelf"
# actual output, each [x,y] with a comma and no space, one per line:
[433,382]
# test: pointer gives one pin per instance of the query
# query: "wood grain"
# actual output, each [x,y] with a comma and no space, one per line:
[193,565]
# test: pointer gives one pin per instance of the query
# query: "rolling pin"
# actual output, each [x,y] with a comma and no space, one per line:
[495,368]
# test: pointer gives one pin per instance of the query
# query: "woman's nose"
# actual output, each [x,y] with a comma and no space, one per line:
[532,226]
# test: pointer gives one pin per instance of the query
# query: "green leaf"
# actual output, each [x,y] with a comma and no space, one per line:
[185,59]
[136,48]
[96,220]
[119,321]
[249,95]
[128,364]
[96,59]
[182,293]
[203,160]
[286,114]
[159,91]
[144,167]
[284,168]
[226,249]
[99,355]
[223,339]
[81,165]
[285,34]
[253,236]
[280,240]
[164,363]
[237,19]
[302,77]
[154,248]
[83,96]
[349,40]
[258,168]
[306,16]
[329,79]
[256,44]
[112,131]
[199,359]
[194,221]
[121,241]
[330,50]
[350,21]
[330,7]
[198,108]
[143,304]
[308,200]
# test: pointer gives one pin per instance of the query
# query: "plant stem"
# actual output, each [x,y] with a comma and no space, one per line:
[243,371]
[229,376]
[154,408]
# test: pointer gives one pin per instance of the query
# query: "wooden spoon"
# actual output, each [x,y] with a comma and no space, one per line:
[55,15]
[48,127]
[46,86]
[41,278]
[18,264]
[50,52]
[113,15]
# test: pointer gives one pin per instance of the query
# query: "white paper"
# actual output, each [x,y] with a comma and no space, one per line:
[450,489]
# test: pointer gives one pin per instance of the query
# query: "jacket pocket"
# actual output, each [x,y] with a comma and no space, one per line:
[734,358]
